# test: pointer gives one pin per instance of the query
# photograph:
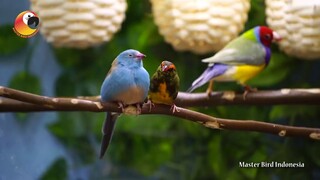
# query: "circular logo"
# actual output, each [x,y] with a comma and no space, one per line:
[26,24]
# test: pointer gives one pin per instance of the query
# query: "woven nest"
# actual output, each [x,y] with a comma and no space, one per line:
[200,26]
[298,22]
[79,23]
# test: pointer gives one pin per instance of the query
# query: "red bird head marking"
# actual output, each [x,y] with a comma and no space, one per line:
[267,35]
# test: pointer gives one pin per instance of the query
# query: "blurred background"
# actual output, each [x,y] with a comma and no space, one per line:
[65,145]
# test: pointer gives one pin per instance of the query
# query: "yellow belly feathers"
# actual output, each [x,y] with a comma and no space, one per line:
[246,72]
[162,96]
[241,74]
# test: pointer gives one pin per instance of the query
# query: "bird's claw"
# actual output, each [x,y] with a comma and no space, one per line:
[121,105]
[151,105]
[247,90]
[138,108]
[174,108]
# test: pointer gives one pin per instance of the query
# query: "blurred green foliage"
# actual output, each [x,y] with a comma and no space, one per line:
[27,82]
[169,148]
[56,171]
[9,42]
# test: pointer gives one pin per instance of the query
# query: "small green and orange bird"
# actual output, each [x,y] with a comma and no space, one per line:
[164,85]
[240,60]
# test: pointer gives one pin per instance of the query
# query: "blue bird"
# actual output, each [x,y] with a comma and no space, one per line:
[126,83]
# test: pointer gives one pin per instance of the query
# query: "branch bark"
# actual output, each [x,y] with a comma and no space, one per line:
[18,101]
[272,97]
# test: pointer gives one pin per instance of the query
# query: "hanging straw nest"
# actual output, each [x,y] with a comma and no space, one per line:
[200,26]
[298,23]
[79,24]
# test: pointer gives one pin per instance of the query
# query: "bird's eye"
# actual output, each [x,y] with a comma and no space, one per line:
[267,36]
[130,55]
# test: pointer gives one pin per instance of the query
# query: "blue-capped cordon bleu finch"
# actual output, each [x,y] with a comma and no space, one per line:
[127,83]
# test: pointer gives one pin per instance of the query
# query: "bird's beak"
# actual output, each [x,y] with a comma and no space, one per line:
[140,56]
[164,68]
[276,36]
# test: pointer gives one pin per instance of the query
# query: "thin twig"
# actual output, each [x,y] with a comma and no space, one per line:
[19,101]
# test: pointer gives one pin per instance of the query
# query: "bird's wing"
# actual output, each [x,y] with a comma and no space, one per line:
[107,131]
[154,85]
[117,81]
[208,74]
[241,51]
[142,80]
[113,66]
[173,86]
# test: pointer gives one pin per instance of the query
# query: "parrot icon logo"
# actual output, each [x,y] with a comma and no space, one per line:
[26,24]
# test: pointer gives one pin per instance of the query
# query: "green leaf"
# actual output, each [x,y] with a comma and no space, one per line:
[147,125]
[216,160]
[143,35]
[293,151]
[75,58]
[313,152]
[22,117]
[73,130]
[72,124]
[259,155]
[134,136]
[25,81]
[58,170]
[243,112]
[66,85]
[256,14]
[286,111]
[9,41]
[142,153]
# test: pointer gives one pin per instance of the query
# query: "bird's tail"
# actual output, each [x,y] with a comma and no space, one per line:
[210,73]
[107,131]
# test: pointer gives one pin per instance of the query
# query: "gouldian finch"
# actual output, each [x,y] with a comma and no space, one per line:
[240,60]
[126,83]
[164,85]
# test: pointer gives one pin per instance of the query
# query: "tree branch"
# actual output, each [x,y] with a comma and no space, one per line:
[18,101]
[273,97]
